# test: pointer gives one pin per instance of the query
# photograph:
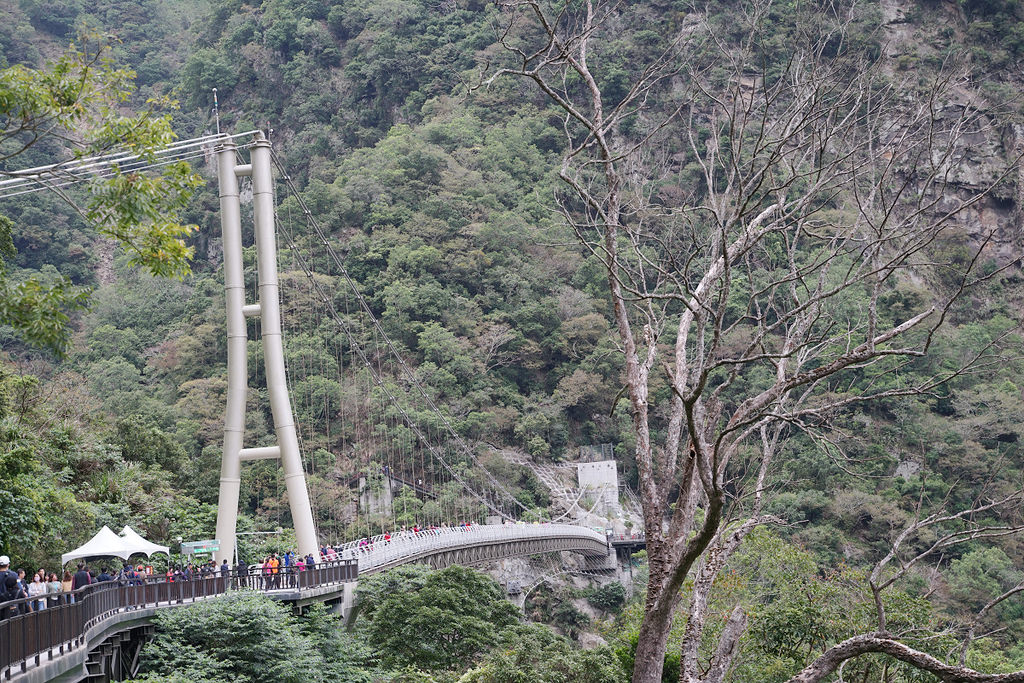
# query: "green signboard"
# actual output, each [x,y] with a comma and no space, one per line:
[200,547]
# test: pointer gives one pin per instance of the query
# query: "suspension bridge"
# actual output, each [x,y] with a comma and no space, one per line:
[346,406]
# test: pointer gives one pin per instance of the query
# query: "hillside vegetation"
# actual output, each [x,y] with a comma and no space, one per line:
[440,194]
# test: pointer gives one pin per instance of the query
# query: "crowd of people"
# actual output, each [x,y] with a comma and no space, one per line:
[48,588]
[202,570]
[45,588]
[274,566]
[365,545]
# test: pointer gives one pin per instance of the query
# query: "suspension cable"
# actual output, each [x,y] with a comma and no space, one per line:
[411,377]
[407,372]
[88,168]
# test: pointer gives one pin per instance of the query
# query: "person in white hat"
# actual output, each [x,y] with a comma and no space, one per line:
[5,572]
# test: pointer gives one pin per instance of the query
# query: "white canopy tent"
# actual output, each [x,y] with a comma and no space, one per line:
[108,544]
[104,544]
[137,544]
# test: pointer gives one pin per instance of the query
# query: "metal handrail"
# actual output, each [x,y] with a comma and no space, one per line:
[26,637]
[379,551]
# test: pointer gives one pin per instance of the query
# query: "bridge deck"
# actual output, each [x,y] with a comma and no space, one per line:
[471,545]
[54,643]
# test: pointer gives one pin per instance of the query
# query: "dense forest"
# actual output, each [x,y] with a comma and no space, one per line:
[436,177]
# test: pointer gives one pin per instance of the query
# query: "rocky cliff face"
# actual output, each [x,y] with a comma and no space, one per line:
[925,38]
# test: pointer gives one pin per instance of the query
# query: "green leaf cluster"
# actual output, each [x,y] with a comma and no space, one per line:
[445,624]
[75,104]
[248,637]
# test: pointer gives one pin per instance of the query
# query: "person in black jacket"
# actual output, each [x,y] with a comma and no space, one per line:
[82,578]
[5,570]
[241,572]
[12,591]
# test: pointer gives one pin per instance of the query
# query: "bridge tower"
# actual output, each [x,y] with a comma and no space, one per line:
[268,310]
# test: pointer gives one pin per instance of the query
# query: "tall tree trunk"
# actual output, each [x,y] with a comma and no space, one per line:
[653,641]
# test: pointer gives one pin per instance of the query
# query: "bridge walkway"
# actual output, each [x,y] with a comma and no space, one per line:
[472,545]
[96,633]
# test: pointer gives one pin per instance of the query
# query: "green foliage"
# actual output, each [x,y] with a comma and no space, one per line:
[551,604]
[40,514]
[981,575]
[407,507]
[79,97]
[608,598]
[531,653]
[244,636]
[569,619]
[38,309]
[373,590]
[204,70]
[447,225]
[140,211]
[141,441]
[994,30]
[796,608]
[445,624]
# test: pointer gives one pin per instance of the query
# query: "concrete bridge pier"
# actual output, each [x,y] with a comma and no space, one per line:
[346,606]
[624,550]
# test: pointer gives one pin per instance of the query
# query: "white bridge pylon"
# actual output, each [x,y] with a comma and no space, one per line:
[268,310]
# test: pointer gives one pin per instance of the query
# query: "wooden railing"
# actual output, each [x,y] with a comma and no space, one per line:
[28,633]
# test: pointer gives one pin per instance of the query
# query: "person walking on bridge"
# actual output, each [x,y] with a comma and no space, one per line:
[275,568]
[265,569]
[36,590]
[53,589]
[82,577]
[12,591]
[241,573]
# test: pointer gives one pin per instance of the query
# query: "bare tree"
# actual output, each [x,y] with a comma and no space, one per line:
[752,206]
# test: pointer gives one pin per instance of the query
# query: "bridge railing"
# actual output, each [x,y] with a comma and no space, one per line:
[27,637]
[292,578]
[381,550]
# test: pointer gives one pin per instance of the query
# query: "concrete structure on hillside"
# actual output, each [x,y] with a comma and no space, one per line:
[601,482]
[376,500]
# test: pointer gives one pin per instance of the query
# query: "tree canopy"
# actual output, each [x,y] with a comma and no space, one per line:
[458,214]
[443,620]
[72,107]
